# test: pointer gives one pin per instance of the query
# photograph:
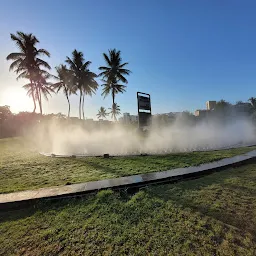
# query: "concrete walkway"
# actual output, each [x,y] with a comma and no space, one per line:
[76,189]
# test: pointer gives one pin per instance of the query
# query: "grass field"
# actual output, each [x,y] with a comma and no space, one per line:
[22,169]
[213,215]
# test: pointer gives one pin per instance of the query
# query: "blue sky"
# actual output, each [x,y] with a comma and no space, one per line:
[182,52]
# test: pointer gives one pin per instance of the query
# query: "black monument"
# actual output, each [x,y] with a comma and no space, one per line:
[144,111]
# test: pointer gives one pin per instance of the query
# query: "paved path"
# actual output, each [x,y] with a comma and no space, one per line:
[16,197]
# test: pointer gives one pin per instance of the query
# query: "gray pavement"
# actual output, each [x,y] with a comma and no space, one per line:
[86,187]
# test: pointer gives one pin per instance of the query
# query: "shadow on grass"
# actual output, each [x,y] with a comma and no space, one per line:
[104,168]
[217,196]
[43,206]
[227,196]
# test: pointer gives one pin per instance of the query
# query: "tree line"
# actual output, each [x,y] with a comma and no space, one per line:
[24,123]
[18,124]
[72,77]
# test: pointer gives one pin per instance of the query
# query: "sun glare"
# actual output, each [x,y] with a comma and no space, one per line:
[17,100]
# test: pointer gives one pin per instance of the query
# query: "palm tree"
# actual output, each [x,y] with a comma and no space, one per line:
[26,63]
[41,87]
[113,73]
[90,86]
[252,100]
[44,87]
[115,111]
[102,113]
[64,83]
[82,78]
[112,88]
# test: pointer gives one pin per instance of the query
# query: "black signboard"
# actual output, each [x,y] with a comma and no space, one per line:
[144,109]
[144,119]
[144,103]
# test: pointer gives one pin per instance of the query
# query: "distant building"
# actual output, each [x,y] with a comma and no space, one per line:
[173,114]
[242,108]
[127,118]
[202,113]
[104,121]
[133,118]
[210,105]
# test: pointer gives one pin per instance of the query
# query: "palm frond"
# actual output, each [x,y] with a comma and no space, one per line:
[57,86]
[91,74]
[124,64]
[42,63]
[18,42]
[20,68]
[28,86]
[15,56]
[105,68]
[120,88]
[22,75]
[86,65]
[15,64]
[78,58]
[107,59]
[45,94]
[71,64]
[104,74]
[44,52]
[124,71]
[122,78]
[106,90]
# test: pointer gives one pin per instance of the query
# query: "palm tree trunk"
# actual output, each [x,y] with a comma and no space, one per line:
[34,101]
[83,106]
[68,106]
[66,93]
[113,96]
[80,104]
[33,95]
[39,100]
[41,103]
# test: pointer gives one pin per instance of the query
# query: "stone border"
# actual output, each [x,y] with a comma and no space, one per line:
[12,200]
[147,153]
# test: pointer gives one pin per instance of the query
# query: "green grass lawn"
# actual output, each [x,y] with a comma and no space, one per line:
[212,215]
[23,169]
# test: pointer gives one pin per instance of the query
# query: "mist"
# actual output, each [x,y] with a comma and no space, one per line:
[117,139]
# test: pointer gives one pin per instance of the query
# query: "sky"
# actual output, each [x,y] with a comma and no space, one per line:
[182,52]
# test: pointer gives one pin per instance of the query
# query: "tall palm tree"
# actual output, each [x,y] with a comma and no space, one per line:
[64,83]
[115,111]
[252,100]
[82,78]
[102,113]
[26,63]
[89,87]
[113,73]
